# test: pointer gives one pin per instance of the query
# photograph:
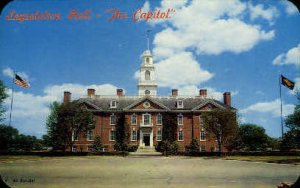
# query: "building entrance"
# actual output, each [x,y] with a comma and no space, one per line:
[146,139]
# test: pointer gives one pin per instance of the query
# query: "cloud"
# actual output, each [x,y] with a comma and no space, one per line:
[146,7]
[11,74]
[289,58]
[30,111]
[272,107]
[290,8]
[258,11]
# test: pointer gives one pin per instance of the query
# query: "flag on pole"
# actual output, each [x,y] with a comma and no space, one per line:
[287,83]
[20,81]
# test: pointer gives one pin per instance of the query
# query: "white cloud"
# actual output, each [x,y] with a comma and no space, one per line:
[290,8]
[10,73]
[30,111]
[289,58]
[258,11]
[272,107]
[146,7]
[180,69]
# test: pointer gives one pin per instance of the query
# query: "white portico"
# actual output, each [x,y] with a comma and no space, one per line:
[146,131]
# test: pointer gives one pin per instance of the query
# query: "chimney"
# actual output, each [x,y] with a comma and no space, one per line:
[67,97]
[120,92]
[174,92]
[203,93]
[91,92]
[227,98]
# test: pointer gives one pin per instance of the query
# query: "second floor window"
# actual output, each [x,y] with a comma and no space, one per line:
[180,119]
[159,119]
[147,119]
[113,119]
[133,119]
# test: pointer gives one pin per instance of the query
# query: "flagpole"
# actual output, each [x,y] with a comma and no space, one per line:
[12,99]
[281,120]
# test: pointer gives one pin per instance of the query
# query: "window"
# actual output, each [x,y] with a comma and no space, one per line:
[159,119]
[90,135]
[147,60]
[202,148]
[112,119]
[113,104]
[133,119]
[179,104]
[180,119]
[159,135]
[201,121]
[147,75]
[202,135]
[134,135]
[180,135]
[147,119]
[74,148]
[112,136]
[75,135]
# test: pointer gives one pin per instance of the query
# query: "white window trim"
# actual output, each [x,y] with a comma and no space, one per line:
[110,136]
[132,139]
[113,102]
[73,136]
[110,122]
[182,136]
[157,123]
[74,148]
[178,105]
[87,137]
[149,119]
[160,135]
[204,135]
[180,115]
[135,119]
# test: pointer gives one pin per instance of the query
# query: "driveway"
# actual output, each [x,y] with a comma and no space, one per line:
[156,172]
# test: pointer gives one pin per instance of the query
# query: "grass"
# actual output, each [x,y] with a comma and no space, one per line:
[268,159]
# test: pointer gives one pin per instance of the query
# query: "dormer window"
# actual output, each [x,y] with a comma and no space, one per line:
[179,103]
[113,104]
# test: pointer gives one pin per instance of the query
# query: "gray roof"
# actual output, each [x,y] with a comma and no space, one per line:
[125,103]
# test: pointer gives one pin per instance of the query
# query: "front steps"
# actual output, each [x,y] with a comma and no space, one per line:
[145,152]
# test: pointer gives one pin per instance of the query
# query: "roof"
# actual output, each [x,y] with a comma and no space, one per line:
[126,103]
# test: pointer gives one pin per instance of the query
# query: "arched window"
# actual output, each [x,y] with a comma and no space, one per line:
[147,75]
[147,60]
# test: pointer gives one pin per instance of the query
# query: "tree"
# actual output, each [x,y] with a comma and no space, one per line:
[290,140]
[8,136]
[122,134]
[97,145]
[3,96]
[222,125]
[253,137]
[65,121]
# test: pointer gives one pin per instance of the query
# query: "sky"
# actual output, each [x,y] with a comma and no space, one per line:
[236,46]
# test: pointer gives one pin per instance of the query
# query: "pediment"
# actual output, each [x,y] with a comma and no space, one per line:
[209,105]
[146,104]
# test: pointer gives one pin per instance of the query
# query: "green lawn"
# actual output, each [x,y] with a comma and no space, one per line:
[267,159]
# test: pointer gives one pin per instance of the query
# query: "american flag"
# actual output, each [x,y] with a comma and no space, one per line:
[21,82]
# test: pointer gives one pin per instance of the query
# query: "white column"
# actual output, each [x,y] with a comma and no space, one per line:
[141,138]
[151,138]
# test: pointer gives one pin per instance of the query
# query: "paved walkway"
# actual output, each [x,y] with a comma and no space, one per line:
[145,172]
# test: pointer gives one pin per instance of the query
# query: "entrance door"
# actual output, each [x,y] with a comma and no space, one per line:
[147,140]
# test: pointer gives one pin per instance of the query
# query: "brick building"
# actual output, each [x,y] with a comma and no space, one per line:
[144,113]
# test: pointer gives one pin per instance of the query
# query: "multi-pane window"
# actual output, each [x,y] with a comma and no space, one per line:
[202,148]
[133,119]
[147,119]
[179,103]
[113,119]
[90,135]
[202,135]
[201,120]
[75,135]
[180,119]
[112,136]
[134,135]
[180,135]
[159,135]
[159,119]
[113,104]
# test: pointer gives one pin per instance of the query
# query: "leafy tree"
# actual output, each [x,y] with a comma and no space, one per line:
[194,146]
[253,137]
[25,142]
[3,96]
[64,121]
[222,125]
[290,140]
[97,145]
[8,136]
[122,134]
[170,127]
[293,121]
